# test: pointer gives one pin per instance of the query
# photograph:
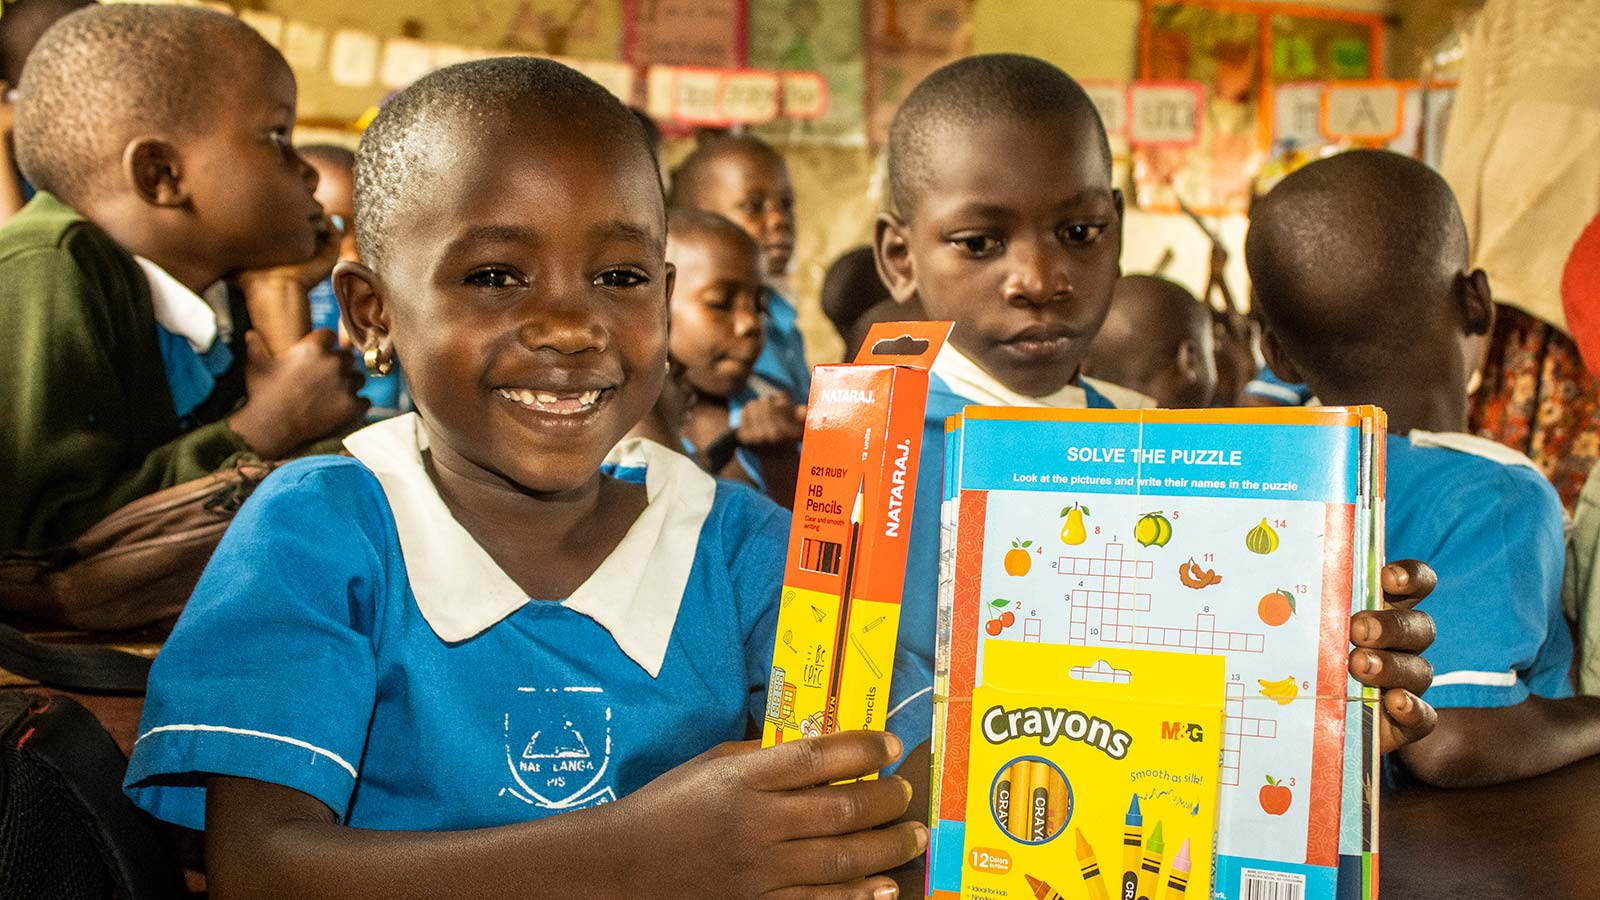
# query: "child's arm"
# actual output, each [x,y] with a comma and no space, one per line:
[771,425]
[732,822]
[298,396]
[1489,745]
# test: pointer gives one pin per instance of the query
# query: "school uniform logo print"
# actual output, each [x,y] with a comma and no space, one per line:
[558,748]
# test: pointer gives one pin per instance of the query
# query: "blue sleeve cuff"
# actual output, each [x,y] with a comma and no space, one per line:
[168,770]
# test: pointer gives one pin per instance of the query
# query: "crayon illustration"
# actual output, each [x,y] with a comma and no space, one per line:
[1150,866]
[1021,789]
[1002,799]
[1178,879]
[845,590]
[1039,773]
[1132,837]
[1092,880]
[1056,814]
[1042,891]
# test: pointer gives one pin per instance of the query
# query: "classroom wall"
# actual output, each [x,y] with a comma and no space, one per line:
[837,195]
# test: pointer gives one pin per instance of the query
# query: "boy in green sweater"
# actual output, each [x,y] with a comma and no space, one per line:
[159,140]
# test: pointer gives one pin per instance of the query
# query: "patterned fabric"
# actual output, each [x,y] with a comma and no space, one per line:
[1537,398]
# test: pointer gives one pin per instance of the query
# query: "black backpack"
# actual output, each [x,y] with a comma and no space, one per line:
[67,832]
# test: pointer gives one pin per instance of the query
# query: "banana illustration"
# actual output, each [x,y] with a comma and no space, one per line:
[1283,691]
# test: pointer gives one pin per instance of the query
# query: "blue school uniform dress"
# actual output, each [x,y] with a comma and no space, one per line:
[1490,525]
[956,382]
[352,641]
[1268,386]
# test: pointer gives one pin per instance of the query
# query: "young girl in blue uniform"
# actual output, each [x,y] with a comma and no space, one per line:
[362,700]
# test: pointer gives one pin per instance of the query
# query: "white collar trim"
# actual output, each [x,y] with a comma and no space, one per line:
[1471,445]
[969,380]
[461,591]
[178,309]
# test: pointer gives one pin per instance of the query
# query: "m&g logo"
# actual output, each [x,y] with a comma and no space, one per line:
[1050,724]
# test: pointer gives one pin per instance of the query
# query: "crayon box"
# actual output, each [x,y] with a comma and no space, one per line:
[840,606]
[1092,773]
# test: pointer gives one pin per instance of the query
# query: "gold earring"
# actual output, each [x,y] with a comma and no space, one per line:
[377,362]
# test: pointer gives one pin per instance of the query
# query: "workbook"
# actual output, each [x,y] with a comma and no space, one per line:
[1252,535]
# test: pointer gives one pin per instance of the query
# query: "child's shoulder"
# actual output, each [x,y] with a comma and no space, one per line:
[49,248]
[48,225]
[1453,475]
[316,492]
[1472,457]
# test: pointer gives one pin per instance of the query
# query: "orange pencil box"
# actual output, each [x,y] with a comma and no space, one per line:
[840,609]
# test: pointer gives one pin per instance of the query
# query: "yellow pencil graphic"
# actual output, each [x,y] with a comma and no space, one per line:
[1021,790]
[1092,881]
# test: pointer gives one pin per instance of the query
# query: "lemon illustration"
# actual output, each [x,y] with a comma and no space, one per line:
[1153,530]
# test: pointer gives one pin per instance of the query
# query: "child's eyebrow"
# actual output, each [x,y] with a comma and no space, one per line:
[650,238]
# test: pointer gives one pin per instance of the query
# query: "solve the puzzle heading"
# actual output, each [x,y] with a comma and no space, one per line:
[1156,456]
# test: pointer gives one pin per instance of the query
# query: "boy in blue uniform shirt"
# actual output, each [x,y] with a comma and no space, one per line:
[1006,222]
[476,660]
[1359,263]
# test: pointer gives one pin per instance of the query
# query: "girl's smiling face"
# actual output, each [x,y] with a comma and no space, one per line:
[525,295]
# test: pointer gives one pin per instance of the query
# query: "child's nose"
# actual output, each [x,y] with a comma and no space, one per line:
[1038,273]
[551,322]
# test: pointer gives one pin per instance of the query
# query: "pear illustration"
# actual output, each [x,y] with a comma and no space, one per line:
[1073,533]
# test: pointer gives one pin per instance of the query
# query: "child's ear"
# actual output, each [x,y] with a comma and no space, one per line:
[891,251]
[154,168]
[365,310]
[1278,360]
[671,277]
[1188,360]
[1477,302]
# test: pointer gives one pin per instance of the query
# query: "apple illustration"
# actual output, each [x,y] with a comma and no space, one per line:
[1275,797]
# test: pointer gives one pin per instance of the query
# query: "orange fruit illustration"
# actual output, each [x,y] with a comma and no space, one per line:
[1017,561]
[1276,608]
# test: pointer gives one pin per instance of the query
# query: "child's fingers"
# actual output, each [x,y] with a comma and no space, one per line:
[842,808]
[846,858]
[1392,629]
[1406,582]
[864,889]
[820,760]
[1382,669]
[1405,718]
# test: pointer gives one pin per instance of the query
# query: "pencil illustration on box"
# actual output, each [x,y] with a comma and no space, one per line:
[1243,537]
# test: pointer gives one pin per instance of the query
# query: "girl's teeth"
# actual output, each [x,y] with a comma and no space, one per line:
[550,402]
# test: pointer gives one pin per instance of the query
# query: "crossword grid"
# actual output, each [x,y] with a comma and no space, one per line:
[1236,727]
[1119,606]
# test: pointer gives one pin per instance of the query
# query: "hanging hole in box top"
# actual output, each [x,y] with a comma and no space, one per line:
[904,345]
